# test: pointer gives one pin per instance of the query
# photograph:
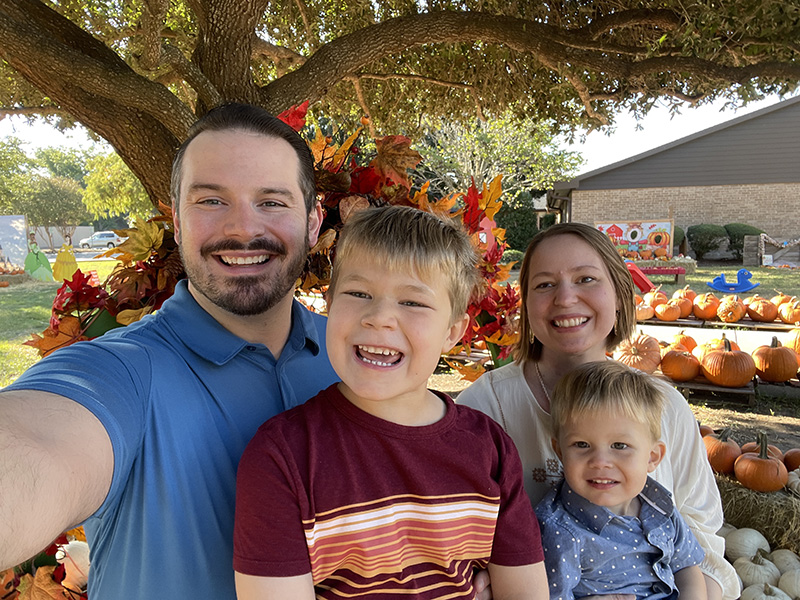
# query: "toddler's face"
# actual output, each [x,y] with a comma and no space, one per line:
[607,457]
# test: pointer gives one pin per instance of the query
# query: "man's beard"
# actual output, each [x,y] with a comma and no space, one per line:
[250,295]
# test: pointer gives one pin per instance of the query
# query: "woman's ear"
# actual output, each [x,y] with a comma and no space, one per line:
[556,447]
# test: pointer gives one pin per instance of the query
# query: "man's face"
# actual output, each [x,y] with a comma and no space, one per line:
[242,225]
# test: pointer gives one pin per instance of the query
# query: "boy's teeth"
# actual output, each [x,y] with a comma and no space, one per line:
[243,260]
[375,350]
[570,322]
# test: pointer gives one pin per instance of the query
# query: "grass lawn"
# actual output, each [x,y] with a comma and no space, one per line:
[25,308]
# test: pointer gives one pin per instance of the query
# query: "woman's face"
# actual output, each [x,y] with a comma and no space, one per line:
[571,301]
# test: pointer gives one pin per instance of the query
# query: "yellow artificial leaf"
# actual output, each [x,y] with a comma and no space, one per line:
[502,339]
[319,146]
[145,238]
[469,371]
[341,154]
[126,317]
[41,586]
[490,202]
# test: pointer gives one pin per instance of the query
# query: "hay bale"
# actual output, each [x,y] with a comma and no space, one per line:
[775,514]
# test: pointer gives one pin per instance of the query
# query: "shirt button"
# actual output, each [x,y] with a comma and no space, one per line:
[252,348]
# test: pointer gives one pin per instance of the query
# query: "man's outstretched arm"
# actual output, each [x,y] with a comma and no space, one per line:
[56,464]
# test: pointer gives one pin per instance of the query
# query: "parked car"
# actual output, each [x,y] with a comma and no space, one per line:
[107,239]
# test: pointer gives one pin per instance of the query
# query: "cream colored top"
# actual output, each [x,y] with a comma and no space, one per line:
[504,395]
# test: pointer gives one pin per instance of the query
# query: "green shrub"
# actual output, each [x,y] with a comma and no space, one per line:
[512,255]
[520,226]
[736,233]
[677,236]
[705,238]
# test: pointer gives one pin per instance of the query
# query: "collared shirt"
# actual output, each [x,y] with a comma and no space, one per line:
[180,396]
[590,550]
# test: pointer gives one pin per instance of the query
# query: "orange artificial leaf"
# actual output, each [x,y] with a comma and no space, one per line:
[42,586]
[395,157]
[490,198]
[324,242]
[442,206]
[469,371]
[502,339]
[350,205]
[341,154]
[69,332]
[319,146]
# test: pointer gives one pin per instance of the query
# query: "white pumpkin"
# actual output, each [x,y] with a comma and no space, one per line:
[763,591]
[790,583]
[785,560]
[756,569]
[725,529]
[793,485]
[744,542]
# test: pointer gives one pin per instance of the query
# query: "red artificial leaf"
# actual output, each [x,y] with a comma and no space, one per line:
[295,117]
[78,294]
[365,181]
[394,158]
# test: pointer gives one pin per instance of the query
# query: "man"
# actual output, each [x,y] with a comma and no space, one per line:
[138,434]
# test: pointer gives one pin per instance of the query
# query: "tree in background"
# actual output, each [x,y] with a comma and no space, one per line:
[14,165]
[112,190]
[52,202]
[138,73]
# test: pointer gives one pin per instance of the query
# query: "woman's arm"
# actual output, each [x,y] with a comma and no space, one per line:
[526,582]
[251,587]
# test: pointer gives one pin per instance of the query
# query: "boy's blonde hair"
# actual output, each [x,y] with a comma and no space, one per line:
[607,387]
[406,238]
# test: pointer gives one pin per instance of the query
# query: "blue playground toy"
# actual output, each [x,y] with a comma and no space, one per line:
[742,284]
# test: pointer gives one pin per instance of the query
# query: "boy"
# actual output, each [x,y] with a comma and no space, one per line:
[379,487]
[608,528]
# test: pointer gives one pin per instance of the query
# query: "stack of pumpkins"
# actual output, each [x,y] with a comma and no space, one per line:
[686,303]
[719,360]
[765,574]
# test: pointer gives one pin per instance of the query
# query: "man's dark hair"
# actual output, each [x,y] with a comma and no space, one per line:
[245,117]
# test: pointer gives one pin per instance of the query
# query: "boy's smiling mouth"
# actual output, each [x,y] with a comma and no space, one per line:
[378,356]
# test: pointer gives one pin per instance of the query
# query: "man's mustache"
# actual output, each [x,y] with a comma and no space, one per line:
[269,246]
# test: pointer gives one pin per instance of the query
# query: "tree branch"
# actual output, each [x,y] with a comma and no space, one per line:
[362,101]
[192,74]
[153,15]
[313,40]
[283,58]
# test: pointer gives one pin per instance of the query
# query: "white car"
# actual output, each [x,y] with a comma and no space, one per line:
[106,239]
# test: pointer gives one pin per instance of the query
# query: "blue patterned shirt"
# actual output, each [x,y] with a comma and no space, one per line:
[590,550]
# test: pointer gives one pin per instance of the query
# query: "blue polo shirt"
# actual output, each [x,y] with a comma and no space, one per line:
[180,397]
[589,550]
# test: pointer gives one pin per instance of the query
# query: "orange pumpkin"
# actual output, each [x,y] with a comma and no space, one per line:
[759,471]
[772,451]
[779,299]
[655,297]
[715,344]
[789,312]
[705,306]
[684,340]
[731,310]
[668,311]
[775,363]
[722,451]
[793,341]
[680,365]
[660,251]
[644,311]
[640,352]
[705,429]
[685,292]
[728,367]
[791,459]
[3,284]
[645,254]
[762,310]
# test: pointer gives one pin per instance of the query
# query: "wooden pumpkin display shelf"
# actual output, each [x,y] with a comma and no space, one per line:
[746,323]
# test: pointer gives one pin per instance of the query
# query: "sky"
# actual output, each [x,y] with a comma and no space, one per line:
[598,150]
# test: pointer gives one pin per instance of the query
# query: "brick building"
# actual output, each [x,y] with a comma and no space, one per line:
[746,170]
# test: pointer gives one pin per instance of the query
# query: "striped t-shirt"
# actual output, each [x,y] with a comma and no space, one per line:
[374,509]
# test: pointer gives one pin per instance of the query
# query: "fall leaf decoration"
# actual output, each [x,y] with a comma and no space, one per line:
[295,117]
[394,157]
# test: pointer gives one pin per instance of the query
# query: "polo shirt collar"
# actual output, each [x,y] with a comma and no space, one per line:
[595,518]
[207,338]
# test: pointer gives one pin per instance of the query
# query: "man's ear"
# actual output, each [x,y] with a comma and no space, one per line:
[657,453]
[455,333]
[176,221]
[556,447]
[314,224]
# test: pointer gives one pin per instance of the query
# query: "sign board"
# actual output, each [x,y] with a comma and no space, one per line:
[13,239]
[639,239]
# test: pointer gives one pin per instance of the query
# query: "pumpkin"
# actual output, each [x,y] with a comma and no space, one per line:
[779,298]
[3,284]
[704,431]
[785,560]
[637,298]
[685,305]
[793,482]
[722,451]
[775,363]
[760,472]
[744,542]
[666,347]
[790,583]
[731,310]
[668,311]
[791,459]
[789,312]
[655,297]
[644,311]
[660,251]
[684,292]
[726,529]
[772,451]
[684,340]
[680,365]
[763,591]
[640,352]
[728,367]
[705,306]
[762,310]
[756,569]
[646,254]
[793,341]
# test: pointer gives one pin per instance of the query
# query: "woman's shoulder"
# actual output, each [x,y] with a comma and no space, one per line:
[491,383]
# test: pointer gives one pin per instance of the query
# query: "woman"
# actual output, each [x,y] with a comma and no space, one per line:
[577,304]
